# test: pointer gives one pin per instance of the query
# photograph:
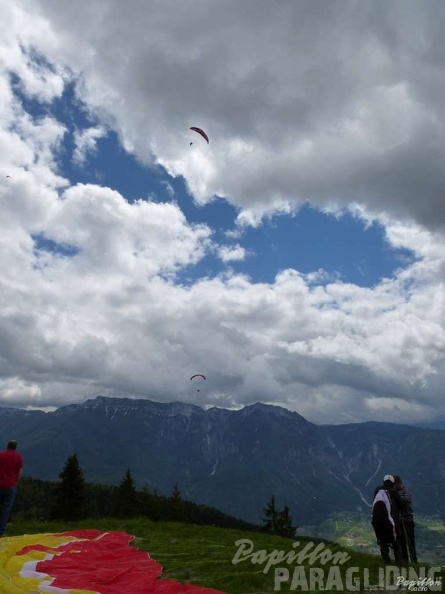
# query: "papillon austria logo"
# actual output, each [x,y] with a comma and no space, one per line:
[83,562]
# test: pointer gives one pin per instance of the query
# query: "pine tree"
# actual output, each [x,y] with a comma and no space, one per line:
[150,503]
[284,523]
[176,507]
[278,521]
[271,516]
[126,501]
[69,495]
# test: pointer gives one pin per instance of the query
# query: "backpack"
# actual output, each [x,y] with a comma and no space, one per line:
[382,516]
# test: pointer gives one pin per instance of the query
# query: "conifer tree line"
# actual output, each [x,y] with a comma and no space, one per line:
[73,499]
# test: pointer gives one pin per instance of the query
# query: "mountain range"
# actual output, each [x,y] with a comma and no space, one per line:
[233,460]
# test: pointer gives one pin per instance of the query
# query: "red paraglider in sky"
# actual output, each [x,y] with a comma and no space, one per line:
[199,131]
[198,375]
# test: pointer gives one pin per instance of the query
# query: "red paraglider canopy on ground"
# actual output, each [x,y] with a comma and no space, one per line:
[87,561]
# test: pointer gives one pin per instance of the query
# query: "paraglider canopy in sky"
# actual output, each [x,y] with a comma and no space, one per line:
[198,375]
[201,132]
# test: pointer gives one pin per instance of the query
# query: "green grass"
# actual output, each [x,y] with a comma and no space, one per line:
[355,530]
[203,555]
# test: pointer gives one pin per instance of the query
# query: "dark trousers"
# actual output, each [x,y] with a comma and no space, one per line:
[408,541]
[384,551]
[7,497]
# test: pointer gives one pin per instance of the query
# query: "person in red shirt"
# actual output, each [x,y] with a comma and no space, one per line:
[11,468]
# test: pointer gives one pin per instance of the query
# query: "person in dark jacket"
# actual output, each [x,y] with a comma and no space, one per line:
[386,519]
[407,537]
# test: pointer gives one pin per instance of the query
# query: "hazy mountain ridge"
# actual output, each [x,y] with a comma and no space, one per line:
[233,460]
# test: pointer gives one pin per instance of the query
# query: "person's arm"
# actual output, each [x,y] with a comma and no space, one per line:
[397,500]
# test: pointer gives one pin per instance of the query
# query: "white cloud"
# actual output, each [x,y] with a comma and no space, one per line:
[169,189]
[355,123]
[86,142]
[15,390]
[234,253]
[24,41]
[359,117]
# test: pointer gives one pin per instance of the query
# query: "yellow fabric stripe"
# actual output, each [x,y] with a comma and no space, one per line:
[13,578]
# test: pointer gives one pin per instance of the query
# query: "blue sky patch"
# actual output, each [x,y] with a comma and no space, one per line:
[307,241]
[43,244]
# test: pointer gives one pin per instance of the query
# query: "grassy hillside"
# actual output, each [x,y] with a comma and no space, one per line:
[204,555]
[355,530]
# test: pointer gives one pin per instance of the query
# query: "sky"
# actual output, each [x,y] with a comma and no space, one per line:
[297,259]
